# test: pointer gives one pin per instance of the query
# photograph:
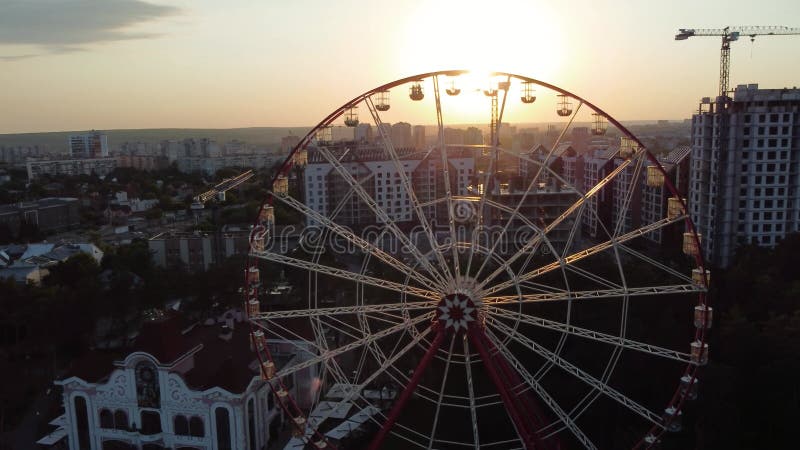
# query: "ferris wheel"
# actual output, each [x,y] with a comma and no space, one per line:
[477,287]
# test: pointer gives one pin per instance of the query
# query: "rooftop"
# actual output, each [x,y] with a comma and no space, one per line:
[226,362]
[751,92]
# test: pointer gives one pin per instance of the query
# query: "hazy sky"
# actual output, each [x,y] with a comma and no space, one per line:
[104,64]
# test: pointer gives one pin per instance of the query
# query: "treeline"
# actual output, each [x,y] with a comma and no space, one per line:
[81,304]
[750,397]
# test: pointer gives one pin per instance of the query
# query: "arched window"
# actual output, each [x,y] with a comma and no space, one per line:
[181,425]
[196,427]
[121,419]
[106,419]
[82,422]
[270,402]
[147,390]
[223,422]
[151,422]
[251,424]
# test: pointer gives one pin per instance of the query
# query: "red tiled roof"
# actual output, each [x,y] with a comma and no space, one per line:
[218,363]
[163,340]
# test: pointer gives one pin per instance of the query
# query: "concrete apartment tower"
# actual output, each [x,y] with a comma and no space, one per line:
[744,185]
[88,145]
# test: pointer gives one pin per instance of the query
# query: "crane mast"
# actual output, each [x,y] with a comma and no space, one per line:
[728,35]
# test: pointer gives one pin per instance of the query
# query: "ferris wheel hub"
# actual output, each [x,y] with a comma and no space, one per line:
[456,312]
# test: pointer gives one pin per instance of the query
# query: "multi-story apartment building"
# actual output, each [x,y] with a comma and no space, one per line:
[88,145]
[419,137]
[210,165]
[326,189]
[82,166]
[401,135]
[744,183]
[540,206]
[17,154]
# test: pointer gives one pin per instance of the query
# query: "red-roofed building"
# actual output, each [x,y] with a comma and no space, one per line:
[179,387]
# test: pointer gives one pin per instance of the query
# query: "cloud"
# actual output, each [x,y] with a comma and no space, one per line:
[63,26]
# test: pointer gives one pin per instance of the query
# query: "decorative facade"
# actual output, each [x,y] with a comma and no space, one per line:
[190,389]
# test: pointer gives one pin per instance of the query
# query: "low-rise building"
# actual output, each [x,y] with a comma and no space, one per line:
[47,214]
[197,251]
[29,263]
[181,386]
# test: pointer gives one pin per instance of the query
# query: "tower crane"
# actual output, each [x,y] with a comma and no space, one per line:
[731,34]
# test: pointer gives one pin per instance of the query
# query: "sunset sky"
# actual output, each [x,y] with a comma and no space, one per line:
[106,64]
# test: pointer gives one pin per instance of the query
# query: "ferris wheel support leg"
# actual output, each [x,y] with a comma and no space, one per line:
[529,408]
[477,338]
[394,414]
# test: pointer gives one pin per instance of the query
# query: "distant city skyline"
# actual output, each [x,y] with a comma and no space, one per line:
[125,64]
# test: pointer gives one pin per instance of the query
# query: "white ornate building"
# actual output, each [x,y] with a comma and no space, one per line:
[196,388]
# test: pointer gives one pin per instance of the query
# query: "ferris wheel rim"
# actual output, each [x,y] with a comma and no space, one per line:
[699,334]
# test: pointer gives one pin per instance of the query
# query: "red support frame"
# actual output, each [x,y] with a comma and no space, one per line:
[528,436]
[394,414]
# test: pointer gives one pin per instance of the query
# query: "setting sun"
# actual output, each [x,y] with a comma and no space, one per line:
[509,35]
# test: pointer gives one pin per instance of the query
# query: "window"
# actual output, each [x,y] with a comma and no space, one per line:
[147,390]
[181,425]
[121,420]
[223,422]
[196,427]
[251,424]
[82,422]
[151,422]
[106,419]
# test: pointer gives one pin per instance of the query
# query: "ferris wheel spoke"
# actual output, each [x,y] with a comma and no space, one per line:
[446,168]
[356,309]
[573,231]
[577,256]
[513,300]
[350,346]
[580,374]
[551,403]
[531,185]
[355,391]
[591,276]
[441,392]
[388,145]
[363,244]
[557,221]
[479,220]
[471,391]
[624,208]
[585,333]
[382,216]
[409,389]
[641,256]
[347,275]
